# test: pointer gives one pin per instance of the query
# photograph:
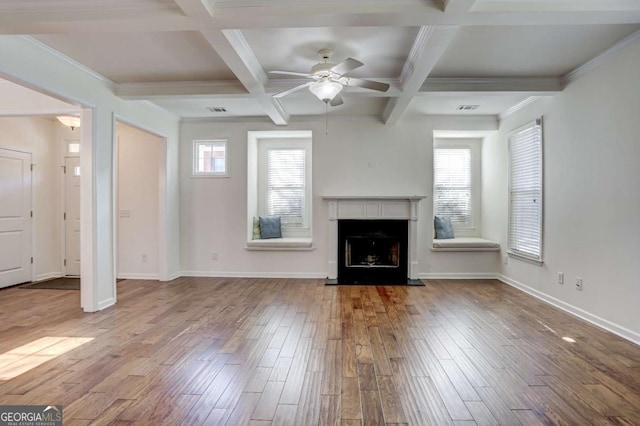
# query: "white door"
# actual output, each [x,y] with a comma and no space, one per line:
[15,217]
[72,215]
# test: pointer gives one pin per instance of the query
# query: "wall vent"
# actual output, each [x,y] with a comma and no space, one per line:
[217,109]
[467,107]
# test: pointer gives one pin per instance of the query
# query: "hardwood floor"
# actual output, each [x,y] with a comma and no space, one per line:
[283,351]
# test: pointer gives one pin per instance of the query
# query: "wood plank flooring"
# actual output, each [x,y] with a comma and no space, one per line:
[216,351]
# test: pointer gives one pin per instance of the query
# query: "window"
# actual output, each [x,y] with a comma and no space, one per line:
[210,158]
[456,177]
[279,180]
[284,177]
[525,191]
[73,147]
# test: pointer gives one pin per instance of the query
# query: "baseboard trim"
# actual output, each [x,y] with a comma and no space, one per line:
[138,276]
[106,303]
[228,274]
[48,276]
[173,276]
[614,328]
[458,276]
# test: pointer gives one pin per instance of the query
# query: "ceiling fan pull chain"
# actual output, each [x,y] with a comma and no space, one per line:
[326,118]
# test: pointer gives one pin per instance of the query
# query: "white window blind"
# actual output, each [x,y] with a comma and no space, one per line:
[453,185]
[525,191]
[286,185]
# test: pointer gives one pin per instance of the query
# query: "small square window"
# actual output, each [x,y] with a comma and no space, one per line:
[210,158]
[73,147]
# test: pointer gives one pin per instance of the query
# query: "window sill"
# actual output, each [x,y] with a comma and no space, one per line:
[525,259]
[465,244]
[289,244]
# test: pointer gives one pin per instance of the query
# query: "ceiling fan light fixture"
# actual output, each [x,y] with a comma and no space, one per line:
[69,121]
[325,90]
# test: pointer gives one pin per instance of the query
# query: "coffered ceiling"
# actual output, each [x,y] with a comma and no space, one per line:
[189,56]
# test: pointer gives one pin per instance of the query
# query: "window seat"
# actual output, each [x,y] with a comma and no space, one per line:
[297,243]
[465,244]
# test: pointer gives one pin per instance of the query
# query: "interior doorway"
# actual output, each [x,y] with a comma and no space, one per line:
[140,164]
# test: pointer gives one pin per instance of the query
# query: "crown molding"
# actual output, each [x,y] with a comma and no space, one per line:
[601,58]
[517,107]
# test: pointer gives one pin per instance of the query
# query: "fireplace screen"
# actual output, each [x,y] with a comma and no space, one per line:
[367,252]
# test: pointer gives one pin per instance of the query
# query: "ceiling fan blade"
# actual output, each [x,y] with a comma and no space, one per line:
[293,89]
[369,84]
[346,66]
[337,100]
[300,74]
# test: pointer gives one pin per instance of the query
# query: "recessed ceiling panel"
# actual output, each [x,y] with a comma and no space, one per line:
[383,50]
[526,51]
[144,57]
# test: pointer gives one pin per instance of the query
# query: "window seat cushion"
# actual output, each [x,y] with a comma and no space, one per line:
[280,244]
[466,244]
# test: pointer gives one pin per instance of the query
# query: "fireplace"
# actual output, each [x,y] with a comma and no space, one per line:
[372,251]
[383,239]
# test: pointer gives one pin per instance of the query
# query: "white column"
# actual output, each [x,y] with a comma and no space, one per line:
[333,239]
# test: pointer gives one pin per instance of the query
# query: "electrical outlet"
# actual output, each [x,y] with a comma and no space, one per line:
[579,284]
[214,256]
[145,258]
[505,259]
[560,277]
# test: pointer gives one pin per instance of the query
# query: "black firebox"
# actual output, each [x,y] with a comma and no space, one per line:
[372,251]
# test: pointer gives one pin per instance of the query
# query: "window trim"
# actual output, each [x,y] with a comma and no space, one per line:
[474,145]
[254,138]
[194,152]
[536,260]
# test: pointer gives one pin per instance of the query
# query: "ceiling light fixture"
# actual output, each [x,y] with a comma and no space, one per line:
[325,89]
[69,121]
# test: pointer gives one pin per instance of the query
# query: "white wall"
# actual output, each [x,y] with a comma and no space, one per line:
[360,156]
[30,63]
[591,201]
[138,194]
[37,135]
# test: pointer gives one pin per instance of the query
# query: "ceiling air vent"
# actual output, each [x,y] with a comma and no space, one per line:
[467,107]
[217,109]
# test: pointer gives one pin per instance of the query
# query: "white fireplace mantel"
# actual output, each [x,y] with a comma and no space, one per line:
[374,208]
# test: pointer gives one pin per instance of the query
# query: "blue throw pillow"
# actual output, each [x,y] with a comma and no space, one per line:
[444,229]
[270,227]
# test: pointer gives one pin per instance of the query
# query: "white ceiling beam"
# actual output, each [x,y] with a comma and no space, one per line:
[36,22]
[458,6]
[478,85]
[234,50]
[274,109]
[428,47]
[183,89]
[196,8]
[556,5]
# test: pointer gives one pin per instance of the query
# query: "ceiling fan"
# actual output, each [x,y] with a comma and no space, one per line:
[329,79]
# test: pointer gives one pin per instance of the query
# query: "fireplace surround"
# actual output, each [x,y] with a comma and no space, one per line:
[368,210]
